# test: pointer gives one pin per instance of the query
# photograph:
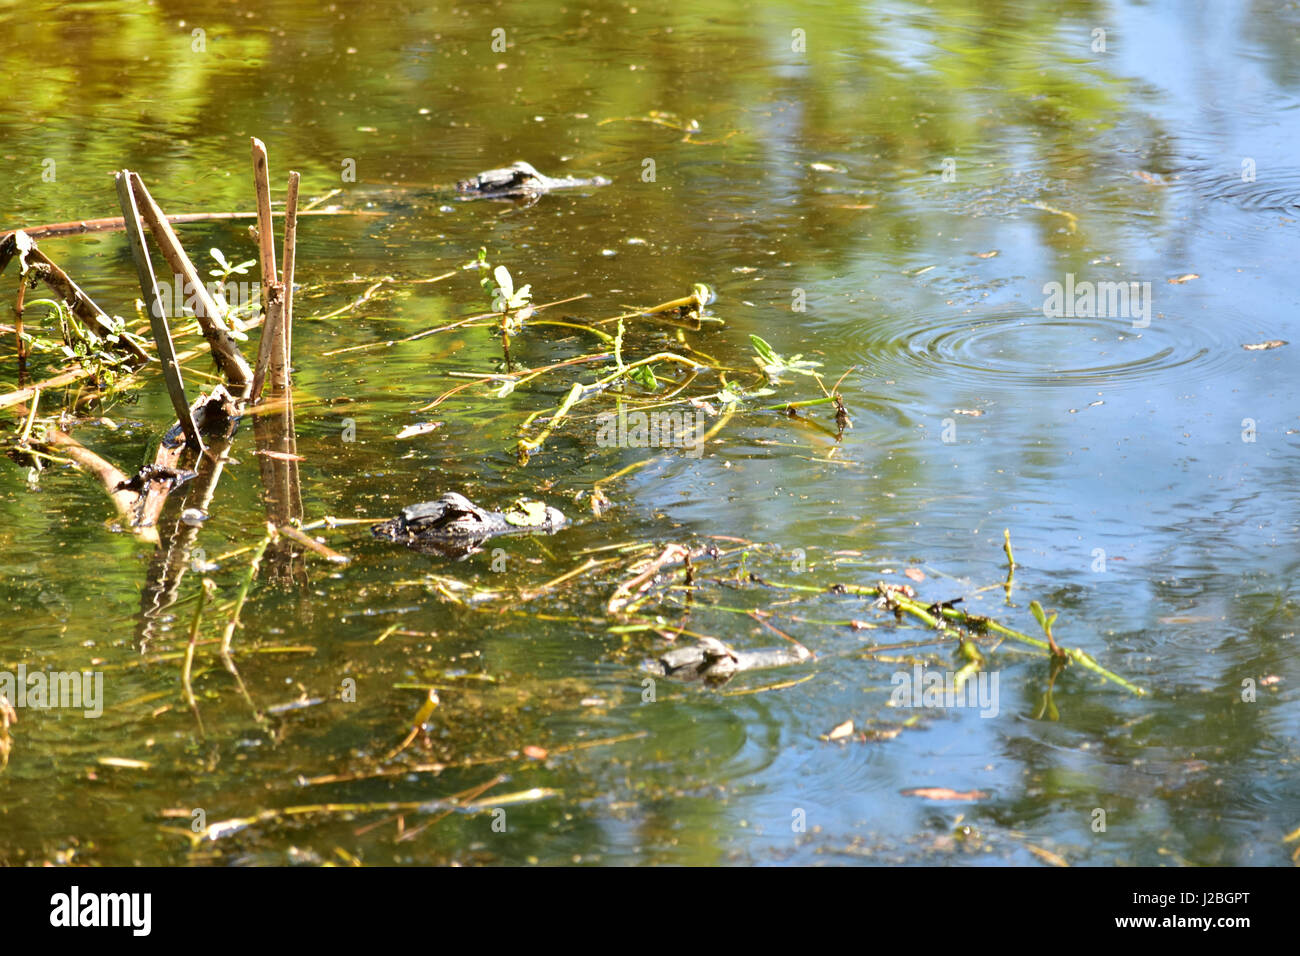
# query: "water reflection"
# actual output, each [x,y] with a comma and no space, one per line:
[920,174]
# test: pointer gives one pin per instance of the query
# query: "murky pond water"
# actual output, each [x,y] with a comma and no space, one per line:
[887,189]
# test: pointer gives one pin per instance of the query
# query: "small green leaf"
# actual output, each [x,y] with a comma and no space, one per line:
[1036,610]
[644,376]
[765,351]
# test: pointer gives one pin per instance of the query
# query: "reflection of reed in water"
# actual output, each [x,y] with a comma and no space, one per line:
[175,551]
[277,452]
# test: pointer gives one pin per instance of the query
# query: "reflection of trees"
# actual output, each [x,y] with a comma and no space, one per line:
[1185,771]
[1008,89]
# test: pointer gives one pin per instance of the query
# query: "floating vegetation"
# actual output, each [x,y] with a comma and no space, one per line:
[644,380]
[774,366]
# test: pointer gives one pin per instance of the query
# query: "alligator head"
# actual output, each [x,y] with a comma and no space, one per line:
[453,526]
[520,181]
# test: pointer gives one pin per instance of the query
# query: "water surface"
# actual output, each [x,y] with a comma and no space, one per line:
[919,173]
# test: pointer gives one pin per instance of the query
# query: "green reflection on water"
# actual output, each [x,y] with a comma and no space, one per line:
[821,170]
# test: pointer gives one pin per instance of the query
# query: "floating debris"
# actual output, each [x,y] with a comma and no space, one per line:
[840,732]
[943,793]
[278,455]
[421,428]
[124,763]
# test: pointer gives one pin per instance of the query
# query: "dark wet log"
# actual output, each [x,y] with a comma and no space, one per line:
[214,413]
[265,228]
[266,261]
[177,552]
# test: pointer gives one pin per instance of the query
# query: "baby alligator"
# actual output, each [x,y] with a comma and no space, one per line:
[453,526]
[519,181]
[715,663]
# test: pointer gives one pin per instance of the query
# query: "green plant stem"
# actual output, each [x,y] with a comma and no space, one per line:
[603,336]
[922,613]
[804,404]
[31,419]
[657,357]
[528,446]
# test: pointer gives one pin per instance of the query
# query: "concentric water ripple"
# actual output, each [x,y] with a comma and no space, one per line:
[1273,185]
[1023,349]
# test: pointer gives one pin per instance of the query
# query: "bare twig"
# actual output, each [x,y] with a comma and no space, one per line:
[157,318]
[272,300]
[311,544]
[290,256]
[269,352]
[18,324]
[224,349]
[640,582]
[116,223]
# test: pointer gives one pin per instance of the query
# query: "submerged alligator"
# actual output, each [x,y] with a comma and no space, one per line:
[715,663]
[519,184]
[453,526]
[520,181]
